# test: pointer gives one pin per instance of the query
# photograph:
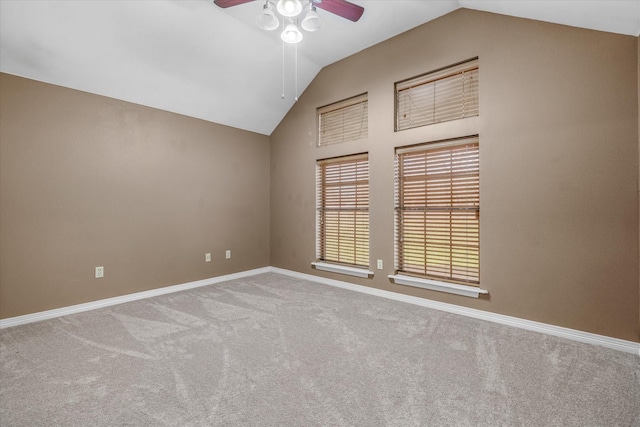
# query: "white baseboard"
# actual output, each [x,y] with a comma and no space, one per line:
[558,331]
[64,311]
[530,325]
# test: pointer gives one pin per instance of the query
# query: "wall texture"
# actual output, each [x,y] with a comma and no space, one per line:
[558,130]
[87,180]
[90,181]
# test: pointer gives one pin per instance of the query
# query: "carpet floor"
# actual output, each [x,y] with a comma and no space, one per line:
[271,350]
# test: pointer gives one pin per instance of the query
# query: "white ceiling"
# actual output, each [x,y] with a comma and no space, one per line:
[194,58]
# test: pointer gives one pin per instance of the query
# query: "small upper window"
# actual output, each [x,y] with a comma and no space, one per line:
[343,121]
[446,94]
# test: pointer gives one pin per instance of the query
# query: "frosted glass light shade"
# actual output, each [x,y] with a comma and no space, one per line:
[289,8]
[291,34]
[267,20]
[311,21]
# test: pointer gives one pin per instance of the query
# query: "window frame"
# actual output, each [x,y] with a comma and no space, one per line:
[443,108]
[462,192]
[341,191]
[356,126]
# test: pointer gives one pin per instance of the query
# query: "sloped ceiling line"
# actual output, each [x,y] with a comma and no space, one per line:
[193,58]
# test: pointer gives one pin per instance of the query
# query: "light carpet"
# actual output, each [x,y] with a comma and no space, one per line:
[271,350]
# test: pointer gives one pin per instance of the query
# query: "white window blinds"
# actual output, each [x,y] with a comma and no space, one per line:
[343,121]
[343,210]
[447,94]
[438,211]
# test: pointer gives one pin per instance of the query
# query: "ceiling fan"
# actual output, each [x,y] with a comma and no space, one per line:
[290,12]
[342,8]
[291,9]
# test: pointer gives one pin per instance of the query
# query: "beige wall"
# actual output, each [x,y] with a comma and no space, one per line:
[87,180]
[90,181]
[558,132]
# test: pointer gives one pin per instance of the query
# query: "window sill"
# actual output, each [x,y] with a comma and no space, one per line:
[342,269]
[434,285]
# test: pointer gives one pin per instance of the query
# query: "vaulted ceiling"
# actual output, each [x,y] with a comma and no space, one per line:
[194,58]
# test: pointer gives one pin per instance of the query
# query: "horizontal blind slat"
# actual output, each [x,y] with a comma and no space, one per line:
[343,210]
[437,211]
[343,121]
[444,95]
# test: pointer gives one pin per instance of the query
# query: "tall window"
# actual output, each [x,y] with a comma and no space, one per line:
[343,121]
[343,210]
[447,94]
[438,211]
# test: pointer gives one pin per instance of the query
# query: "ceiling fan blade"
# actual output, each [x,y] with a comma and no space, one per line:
[228,3]
[343,8]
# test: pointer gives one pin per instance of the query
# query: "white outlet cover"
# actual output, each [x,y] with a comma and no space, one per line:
[380,265]
[228,254]
[207,257]
[99,272]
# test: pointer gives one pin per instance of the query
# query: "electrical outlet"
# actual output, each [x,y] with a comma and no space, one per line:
[99,272]
[228,254]
[207,257]
[380,267]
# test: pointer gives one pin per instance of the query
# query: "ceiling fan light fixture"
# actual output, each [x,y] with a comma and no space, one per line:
[291,34]
[311,21]
[268,20]
[289,8]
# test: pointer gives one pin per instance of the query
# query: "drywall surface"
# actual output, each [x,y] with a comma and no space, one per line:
[91,181]
[558,129]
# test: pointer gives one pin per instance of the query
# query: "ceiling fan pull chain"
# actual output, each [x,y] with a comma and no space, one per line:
[283,68]
[296,77]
